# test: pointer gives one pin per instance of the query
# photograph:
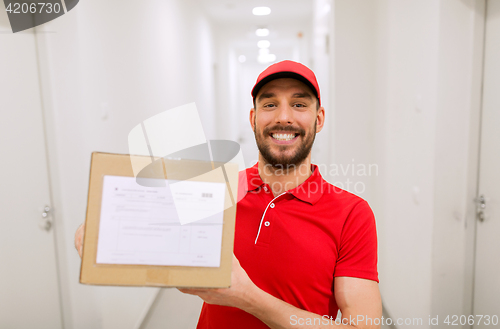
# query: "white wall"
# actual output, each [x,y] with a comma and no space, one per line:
[352,96]
[404,94]
[457,130]
[322,25]
[101,76]
[406,138]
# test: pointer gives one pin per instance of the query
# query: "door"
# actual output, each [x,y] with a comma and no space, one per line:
[29,293]
[487,278]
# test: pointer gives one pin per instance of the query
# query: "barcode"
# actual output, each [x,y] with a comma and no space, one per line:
[206,195]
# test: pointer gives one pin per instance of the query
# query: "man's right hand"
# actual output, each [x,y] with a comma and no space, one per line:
[79,239]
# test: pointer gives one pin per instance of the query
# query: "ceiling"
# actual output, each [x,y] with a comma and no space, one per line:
[239,11]
[289,23]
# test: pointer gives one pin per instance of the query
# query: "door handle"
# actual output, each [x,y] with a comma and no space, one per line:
[46,222]
[480,207]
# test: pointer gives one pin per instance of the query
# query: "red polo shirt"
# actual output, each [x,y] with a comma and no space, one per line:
[293,245]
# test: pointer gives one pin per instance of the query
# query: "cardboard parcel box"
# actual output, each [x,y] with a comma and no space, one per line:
[130,240]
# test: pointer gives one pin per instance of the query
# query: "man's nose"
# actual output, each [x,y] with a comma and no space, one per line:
[284,114]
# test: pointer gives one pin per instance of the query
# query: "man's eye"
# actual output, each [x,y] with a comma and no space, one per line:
[299,105]
[269,105]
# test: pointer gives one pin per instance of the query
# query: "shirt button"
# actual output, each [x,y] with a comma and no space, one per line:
[272,205]
[265,188]
[267,223]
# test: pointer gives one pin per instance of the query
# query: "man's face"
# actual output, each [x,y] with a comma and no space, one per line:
[285,122]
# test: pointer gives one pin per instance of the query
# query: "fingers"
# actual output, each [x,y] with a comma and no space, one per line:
[79,239]
[185,291]
[195,291]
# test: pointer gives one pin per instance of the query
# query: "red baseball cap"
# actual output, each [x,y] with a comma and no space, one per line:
[288,69]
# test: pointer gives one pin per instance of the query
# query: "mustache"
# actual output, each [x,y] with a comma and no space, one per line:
[284,129]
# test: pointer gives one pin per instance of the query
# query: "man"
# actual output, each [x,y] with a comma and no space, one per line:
[303,248]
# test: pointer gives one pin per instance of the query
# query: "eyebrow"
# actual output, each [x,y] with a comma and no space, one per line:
[296,95]
[265,95]
[302,95]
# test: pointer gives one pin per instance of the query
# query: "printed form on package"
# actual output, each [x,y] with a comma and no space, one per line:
[179,224]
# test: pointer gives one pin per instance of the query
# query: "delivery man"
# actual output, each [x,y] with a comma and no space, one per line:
[303,248]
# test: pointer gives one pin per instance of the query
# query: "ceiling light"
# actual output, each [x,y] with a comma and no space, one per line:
[262,32]
[242,58]
[263,44]
[261,11]
[264,59]
[263,51]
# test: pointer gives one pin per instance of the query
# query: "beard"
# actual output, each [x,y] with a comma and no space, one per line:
[282,159]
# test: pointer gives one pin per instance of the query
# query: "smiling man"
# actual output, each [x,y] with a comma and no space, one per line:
[303,248]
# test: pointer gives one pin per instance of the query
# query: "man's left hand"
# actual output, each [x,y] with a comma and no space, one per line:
[236,296]
[353,295]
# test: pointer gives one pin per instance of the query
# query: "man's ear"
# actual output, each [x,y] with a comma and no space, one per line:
[252,118]
[320,119]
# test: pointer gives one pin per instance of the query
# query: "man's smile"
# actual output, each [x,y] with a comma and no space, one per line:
[284,138]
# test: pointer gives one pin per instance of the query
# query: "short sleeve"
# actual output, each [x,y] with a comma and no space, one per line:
[357,256]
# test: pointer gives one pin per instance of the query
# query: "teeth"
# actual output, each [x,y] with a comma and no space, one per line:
[283,137]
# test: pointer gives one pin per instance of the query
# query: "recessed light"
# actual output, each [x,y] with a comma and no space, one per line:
[263,59]
[261,11]
[242,58]
[262,32]
[263,44]
[263,51]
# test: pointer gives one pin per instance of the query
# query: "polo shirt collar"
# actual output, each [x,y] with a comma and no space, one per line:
[309,191]
[253,178]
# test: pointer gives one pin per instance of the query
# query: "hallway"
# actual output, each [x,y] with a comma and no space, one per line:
[411,106]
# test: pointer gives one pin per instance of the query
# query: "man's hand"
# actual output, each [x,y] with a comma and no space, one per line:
[354,297]
[79,239]
[235,296]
